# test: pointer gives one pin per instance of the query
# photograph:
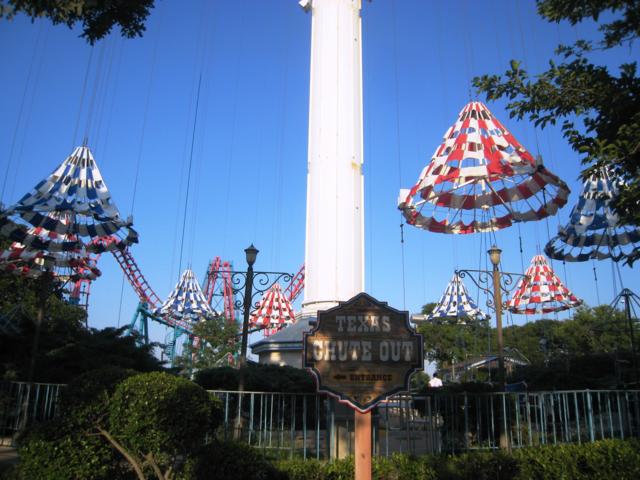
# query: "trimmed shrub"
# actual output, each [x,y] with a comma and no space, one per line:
[476,466]
[260,378]
[230,461]
[86,398]
[396,467]
[47,454]
[65,447]
[604,460]
[162,415]
[155,413]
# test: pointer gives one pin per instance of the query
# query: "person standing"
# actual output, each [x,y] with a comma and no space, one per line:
[435,382]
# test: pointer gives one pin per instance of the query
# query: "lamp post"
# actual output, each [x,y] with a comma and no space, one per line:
[494,255]
[251,253]
[629,298]
[251,284]
[501,282]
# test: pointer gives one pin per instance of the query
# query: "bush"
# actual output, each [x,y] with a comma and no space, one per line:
[161,415]
[64,448]
[47,453]
[401,467]
[86,398]
[261,378]
[230,461]
[476,466]
[604,460]
[158,414]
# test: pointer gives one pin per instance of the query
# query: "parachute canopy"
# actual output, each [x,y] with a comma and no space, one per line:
[186,301]
[456,305]
[274,310]
[75,206]
[594,231]
[31,262]
[541,291]
[481,179]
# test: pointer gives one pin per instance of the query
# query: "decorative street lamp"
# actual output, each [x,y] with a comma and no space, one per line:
[502,282]
[494,255]
[629,299]
[252,284]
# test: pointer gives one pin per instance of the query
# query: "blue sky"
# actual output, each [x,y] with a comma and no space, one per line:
[248,178]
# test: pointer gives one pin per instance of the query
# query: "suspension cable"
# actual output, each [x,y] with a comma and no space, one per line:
[21,109]
[595,278]
[82,96]
[94,93]
[145,116]
[398,148]
[186,199]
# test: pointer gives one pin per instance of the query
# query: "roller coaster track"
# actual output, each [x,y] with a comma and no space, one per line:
[136,278]
[218,282]
[145,293]
[294,289]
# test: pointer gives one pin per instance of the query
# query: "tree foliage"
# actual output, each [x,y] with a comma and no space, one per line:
[574,90]
[217,340]
[448,342]
[97,17]
[66,348]
[67,447]
[261,378]
[591,331]
[428,308]
[161,419]
[114,423]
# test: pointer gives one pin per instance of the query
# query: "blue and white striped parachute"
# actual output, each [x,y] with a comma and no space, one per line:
[456,305]
[75,206]
[186,301]
[594,230]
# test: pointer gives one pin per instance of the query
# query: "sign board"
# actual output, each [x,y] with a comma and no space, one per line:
[362,351]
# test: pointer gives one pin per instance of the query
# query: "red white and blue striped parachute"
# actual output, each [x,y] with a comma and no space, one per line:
[73,203]
[541,291]
[186,302]
[481,179]
[455,304]
[274,311]
[594,231]
[30,262]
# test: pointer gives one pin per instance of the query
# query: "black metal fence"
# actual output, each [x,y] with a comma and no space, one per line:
[316,426]
[23,403]
[319,427]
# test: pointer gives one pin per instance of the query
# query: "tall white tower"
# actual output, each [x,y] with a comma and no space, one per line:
[334,251]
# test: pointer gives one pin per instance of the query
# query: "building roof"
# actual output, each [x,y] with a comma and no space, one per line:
[289,338]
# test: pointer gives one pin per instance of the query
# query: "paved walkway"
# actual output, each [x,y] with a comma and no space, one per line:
[8,456]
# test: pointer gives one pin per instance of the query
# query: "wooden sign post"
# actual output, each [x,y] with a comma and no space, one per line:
[363,445]
[362,352]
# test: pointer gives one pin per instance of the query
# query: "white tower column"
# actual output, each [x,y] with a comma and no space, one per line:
[334,251]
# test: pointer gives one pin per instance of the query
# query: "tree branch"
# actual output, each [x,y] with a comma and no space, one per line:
[135,464]
[156,469]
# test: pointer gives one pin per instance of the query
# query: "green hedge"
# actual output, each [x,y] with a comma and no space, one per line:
[158,419]
[229,461]
[258,378]
[602,460]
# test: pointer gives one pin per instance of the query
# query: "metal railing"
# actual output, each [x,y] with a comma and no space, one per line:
[316,426]
[22,404]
